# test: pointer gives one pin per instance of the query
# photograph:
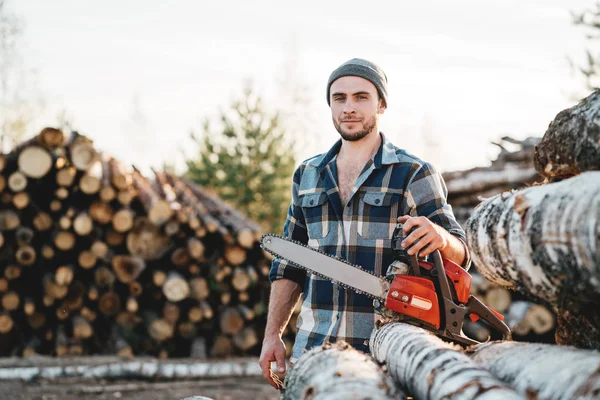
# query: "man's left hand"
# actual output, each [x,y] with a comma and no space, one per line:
[426,237]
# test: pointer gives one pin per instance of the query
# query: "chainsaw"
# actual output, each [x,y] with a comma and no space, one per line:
[433,295]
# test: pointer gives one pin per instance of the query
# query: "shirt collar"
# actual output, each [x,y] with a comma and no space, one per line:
[386,155]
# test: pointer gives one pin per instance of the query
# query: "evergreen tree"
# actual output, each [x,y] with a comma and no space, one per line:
[249,162]
[590,20]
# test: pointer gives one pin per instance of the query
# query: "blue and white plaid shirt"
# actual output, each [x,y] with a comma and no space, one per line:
[393,183]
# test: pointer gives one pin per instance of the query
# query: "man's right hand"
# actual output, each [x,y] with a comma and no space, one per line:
[273,349]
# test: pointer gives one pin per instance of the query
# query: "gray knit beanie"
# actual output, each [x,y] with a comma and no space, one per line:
[365,69]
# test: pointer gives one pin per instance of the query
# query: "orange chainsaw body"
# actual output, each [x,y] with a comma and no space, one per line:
[415,297]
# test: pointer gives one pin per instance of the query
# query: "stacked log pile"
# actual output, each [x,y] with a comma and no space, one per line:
[96,258]
[544,241]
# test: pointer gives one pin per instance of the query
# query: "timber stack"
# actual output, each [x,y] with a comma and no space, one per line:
[98,258]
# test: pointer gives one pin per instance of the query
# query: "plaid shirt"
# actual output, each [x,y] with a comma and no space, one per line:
[393,183]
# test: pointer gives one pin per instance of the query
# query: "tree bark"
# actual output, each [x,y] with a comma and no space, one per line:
[542,371]
[431,368]
[571,145]
[542,240]
[337,371]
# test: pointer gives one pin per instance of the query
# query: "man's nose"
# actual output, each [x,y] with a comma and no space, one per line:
[348,107]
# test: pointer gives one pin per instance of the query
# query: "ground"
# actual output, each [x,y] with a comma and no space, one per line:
[254,388]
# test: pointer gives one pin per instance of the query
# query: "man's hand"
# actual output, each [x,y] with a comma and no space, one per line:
[426,238]
[273,349]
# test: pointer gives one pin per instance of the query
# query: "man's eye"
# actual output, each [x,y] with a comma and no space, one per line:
[362,97]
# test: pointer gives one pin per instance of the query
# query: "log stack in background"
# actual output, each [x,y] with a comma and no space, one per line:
[96,258]
[530,319]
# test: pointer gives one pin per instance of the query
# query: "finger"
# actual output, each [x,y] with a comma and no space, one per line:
[277,381]
[280,358]
[415,236]
[430,248]
[411,223]
[403,218]
[422,243]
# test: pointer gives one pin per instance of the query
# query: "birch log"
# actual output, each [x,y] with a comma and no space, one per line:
[542,371]
[337,371]
[543,240]
[571,144]
[430,368]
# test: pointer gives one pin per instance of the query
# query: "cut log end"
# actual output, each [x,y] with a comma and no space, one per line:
[35,162]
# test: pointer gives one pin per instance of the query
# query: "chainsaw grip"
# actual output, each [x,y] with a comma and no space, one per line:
[492,317]
[400,253]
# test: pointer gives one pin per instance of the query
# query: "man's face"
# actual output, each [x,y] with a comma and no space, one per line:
[355,107]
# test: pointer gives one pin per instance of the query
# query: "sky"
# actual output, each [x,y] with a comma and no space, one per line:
[138,76]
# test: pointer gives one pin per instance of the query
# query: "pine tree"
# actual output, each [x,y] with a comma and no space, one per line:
[249,162]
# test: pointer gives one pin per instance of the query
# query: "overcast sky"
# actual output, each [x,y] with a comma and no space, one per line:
[137,76]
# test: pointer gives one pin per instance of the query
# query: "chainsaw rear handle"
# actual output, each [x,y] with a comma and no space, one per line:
[400,253]
[489,315]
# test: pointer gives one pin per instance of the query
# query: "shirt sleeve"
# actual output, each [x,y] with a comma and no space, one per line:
[295,229]
[426,196]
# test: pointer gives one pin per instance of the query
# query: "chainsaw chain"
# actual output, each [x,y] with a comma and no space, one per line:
[382,280]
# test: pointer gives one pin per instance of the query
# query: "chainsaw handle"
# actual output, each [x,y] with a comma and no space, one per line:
[400,253]
[492,317]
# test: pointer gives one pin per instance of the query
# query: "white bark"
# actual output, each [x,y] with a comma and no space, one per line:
[543,240]
[430,368]
[542,371]
[337,371]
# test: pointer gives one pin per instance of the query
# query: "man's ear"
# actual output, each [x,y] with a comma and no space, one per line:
[381,107]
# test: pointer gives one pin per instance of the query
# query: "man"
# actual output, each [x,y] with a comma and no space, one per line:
[346,203]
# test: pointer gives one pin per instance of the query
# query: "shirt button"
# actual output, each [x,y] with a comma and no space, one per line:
[312,202]
[366,342]
[377,201]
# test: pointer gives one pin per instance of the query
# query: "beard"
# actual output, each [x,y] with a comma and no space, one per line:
[354,136]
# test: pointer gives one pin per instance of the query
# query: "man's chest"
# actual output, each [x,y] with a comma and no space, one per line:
[348,173]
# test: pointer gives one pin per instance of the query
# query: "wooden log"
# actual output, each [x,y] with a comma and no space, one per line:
[66,176]
[222,347]
[199,288]
[476,330]
[235,255]
[83,224]
[131,305]
[230,320]
[91,182]
[135,288]
[64,240]
[65,223]
[114,238]
[171,313]
[12,272]
[6,198]
[6,323]
[87,259]
[158,210]
[525,316]
[61,342]
[82,329]
[51,289]
[125,197]
[36,320]
[187,330]
[17,182]
[195,314]
[101,212]
[47,252]
[107,192]
[3,285]
[571,145]
[51,138]
[122,221]
[240,280]
[127,268]
[82,152]
[180,257]
[64,275]
[24,235]
[2,183]
[246,338]
[542,371]
[498,298]
[9,220]
[147,241]
[42,222]
[101,250]
[159,278]
[73,301]
[104,277]
[25,255]
[175,287]
[21,200]
[119,176]
[159,329]
[10,301]
[29,306]
[479,181]
[35,161]
[61,193]
[207,311]
[109,304]
[541,240]
[337,371]
[55,205]
[431,368]
[196,248]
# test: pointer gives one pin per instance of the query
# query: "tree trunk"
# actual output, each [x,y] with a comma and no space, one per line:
[431,368]
[337,371]
[542,371]
[541,240]
[571,145]
[578,326]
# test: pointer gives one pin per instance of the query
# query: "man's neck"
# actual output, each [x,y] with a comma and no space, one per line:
[360,150]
